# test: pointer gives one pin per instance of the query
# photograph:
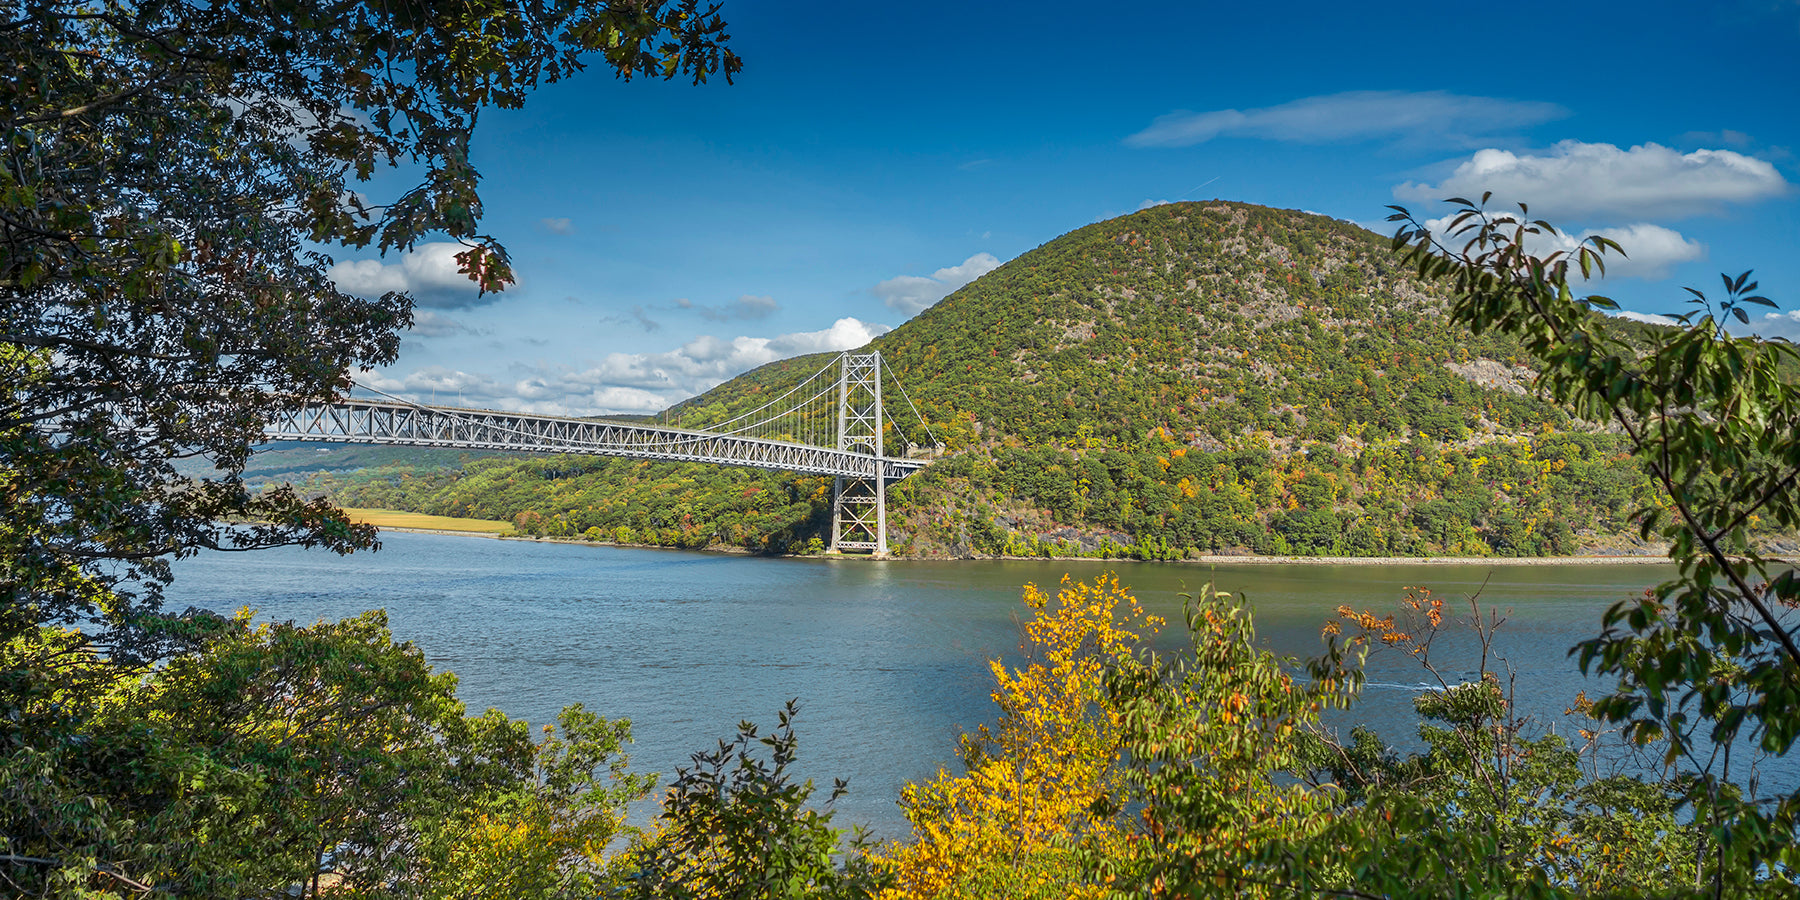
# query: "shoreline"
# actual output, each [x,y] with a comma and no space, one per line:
[1219,560]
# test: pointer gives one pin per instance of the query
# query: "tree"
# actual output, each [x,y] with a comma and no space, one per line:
[736,827]
[545,835]
[1707,664]
[1213,738]
[1018,822]
[174,175]
[282,755]
[1497,804]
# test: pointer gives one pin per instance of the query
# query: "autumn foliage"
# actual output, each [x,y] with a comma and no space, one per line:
[1034,798]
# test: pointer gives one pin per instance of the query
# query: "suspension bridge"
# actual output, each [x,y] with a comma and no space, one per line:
[832,423]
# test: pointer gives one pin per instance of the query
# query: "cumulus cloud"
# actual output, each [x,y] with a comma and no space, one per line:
[1651,318]
[1579,180]
[1650,250]
[747,307]
[1776,325]
[911,294]
[622,382]
[1426,116]
[428,272]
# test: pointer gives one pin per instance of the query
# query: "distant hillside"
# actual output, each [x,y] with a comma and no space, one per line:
[1192,378]
[292,461]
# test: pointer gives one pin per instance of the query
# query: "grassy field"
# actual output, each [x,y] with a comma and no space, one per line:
[387,518]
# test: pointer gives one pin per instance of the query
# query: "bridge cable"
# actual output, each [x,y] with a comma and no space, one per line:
[664,443]
[934,438]
[783,396]
[461,416]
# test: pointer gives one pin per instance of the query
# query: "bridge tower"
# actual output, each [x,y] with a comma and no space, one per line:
[859,505]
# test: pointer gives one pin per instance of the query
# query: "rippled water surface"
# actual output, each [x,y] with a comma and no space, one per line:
[887,658]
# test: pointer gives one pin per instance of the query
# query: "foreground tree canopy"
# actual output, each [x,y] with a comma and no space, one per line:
[173,178]
[171,171]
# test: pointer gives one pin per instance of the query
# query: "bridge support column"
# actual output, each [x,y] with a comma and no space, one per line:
[859,505]
[859,515]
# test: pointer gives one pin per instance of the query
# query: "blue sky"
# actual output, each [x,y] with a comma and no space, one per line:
[872,157]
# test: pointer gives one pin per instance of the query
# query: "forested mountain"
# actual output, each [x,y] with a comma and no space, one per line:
[1192,378]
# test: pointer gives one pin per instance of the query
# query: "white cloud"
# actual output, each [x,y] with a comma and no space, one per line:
[1147,204]
[1776,325]
[1650,250]
[1578,180]
[1430,116]
[557,225]
[1784,325]
[428,272]
[622,382]
[751,306]
[911,294]
[1650,318]
[844,334]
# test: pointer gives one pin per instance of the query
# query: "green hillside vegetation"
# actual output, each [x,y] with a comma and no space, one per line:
[1193,378]
[285,461]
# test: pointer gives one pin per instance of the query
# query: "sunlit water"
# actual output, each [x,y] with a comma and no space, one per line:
[886,658]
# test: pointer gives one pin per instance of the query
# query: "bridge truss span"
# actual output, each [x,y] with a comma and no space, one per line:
[825,425]
[400,423]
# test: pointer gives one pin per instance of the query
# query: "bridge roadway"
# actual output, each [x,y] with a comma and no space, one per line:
[383,422]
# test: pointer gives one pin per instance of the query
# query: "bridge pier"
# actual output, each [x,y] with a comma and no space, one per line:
[859,515]
[859,505]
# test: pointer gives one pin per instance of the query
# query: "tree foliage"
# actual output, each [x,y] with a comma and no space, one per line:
[173,176]
[1708,660]
[1033,801]
[281,756]
[1215,738]
[173,172]
[736,827]
[1499,803]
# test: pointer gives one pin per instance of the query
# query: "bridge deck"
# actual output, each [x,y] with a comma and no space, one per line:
[381,422]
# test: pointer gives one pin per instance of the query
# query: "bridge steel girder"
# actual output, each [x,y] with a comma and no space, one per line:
[381,422]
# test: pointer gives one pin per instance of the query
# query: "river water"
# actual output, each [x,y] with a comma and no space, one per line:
[887,658]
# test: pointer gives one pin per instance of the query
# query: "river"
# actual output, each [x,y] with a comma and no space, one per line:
[887,658]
